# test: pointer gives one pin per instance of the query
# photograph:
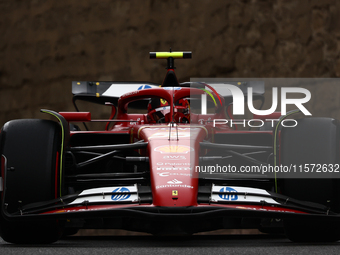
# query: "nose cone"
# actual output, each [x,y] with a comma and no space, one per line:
[171,174]
[172,162]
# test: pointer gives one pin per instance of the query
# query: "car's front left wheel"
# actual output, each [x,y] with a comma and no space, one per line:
[30,151]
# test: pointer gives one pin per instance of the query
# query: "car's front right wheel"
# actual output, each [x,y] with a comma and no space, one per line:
[313,142]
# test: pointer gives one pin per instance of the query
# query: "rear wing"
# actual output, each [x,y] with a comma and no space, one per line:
[103,92]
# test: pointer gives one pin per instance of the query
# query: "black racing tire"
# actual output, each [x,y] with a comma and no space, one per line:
[32,151]
[312,141]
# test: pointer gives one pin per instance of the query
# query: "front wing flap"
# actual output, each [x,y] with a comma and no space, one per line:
[125,201]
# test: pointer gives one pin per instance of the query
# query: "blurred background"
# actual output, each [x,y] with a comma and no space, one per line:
[45,45]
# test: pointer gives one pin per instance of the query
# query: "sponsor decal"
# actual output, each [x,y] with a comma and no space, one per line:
[230,197]
[144,87]
[201,121]
[162,108]
[174,192]
[105,194]
[174,186]
[252,195]
[122,196]
[172,88]
[175,157]
[173,164]
[166,174]
[173,168]
[130,93]
[174,181]
[182,149]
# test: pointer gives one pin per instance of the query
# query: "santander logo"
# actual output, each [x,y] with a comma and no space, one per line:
[174,181]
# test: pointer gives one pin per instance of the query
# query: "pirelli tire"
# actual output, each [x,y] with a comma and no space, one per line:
[31,148]
[312,141]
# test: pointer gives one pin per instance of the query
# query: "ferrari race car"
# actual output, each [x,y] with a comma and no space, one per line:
[172,167]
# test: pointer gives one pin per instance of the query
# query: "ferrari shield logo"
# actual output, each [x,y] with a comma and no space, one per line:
[175,193]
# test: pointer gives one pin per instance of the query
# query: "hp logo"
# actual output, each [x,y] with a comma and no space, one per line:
[122,195]
[230,197]
[144,87]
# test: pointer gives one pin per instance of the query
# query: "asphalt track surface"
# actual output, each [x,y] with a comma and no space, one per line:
[197,245]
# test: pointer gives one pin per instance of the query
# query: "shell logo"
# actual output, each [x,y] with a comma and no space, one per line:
[183,149]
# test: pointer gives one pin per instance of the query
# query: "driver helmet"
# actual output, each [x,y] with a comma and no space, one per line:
[159,111]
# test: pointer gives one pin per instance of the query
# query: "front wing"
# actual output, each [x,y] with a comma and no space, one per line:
[132,202]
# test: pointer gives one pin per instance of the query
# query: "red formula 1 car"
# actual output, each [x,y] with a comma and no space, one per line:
[170,170]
